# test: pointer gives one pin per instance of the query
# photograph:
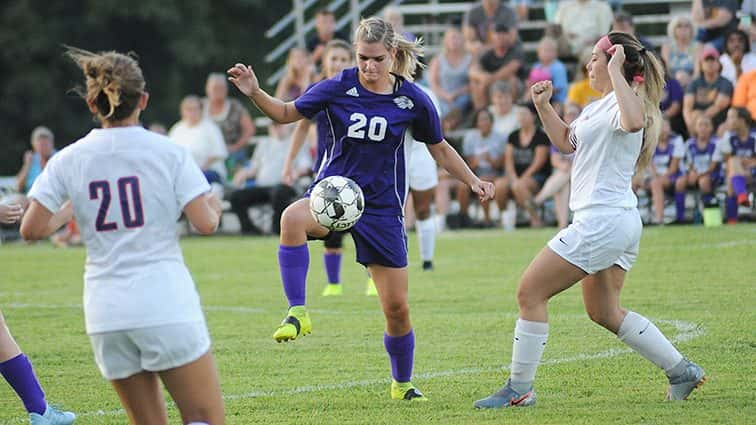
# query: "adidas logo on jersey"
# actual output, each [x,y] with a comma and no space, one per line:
[404,102]
[353,92]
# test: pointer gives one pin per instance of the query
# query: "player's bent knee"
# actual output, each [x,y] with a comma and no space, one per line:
[396,312]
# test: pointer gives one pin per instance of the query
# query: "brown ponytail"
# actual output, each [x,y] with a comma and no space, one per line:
[114,82]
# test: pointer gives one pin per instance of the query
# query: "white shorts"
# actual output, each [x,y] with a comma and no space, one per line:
[422,168]
[121,354]
[599,238]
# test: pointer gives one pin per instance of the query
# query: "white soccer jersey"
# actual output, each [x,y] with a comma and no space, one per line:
[605,157]
[422,166]
[128,187]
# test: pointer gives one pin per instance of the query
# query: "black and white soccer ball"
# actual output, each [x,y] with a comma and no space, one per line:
[337,203]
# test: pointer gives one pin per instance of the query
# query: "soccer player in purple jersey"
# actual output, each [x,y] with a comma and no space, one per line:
[369,108]
[336,57]
[16,367]
[703,169]
[738,151]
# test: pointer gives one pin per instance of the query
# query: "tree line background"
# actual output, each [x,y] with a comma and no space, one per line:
[178,43]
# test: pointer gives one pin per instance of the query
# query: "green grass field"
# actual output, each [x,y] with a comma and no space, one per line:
[699,284]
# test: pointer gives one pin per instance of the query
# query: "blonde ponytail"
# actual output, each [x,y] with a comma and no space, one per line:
[378,30]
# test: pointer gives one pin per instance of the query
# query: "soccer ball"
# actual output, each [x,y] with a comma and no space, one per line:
[337,203]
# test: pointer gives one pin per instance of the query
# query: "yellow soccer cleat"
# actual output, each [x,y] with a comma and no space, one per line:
[371,291]
[333,290]
[296,323]
[406,391]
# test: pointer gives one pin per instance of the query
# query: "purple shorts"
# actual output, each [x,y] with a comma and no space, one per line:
[381,240]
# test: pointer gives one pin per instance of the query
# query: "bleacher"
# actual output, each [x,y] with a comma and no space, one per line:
[429,19]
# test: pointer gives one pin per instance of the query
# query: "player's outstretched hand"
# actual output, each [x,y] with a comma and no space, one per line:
[485,190]
[11,213]
[244,79]
[541,91]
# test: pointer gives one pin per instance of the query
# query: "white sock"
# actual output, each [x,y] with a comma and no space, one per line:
[426,234]
[197,423]
[645,338]
[527,349]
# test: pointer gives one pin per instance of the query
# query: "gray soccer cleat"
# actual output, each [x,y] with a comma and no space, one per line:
[507,397]
[681,386]
[52,416]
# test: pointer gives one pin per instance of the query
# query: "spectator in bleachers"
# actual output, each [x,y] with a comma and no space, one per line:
[503,108]
[482,149]
[448,75]
[709,94]
[43,148]
[580,92]
[501,62]
[526,162]
[703,169]
[268,187]
[230,116]
[203,139]
[748,8]
[745,92]
[297,78]
[737,57]
[480,24]
[664,168]
[714,19]
[521,9]
[737,149]
[564,50]
[325,31]
[584,21]
[672,100]
[557,186]
[679,51]
[549,67]
[623,22]
[394,16]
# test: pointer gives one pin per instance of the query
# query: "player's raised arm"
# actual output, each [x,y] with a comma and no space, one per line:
[244,78]
[450,160]
[555,127]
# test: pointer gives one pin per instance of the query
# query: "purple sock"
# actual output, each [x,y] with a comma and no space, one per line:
[294,261]
[333,266]
[401,350]
[680,205]
[20,375]
[738,184]
[706,199]
[731,207]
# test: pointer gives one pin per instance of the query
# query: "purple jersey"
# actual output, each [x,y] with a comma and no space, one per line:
[700,159]
[743,148]
[324,137]
[367,135]
[663,157]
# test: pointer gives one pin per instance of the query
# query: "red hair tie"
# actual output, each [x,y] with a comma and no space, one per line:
[638,79]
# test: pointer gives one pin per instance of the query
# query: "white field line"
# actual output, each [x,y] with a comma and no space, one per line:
[685,331]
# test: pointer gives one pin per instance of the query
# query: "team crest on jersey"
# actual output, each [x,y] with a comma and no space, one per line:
[404,102]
